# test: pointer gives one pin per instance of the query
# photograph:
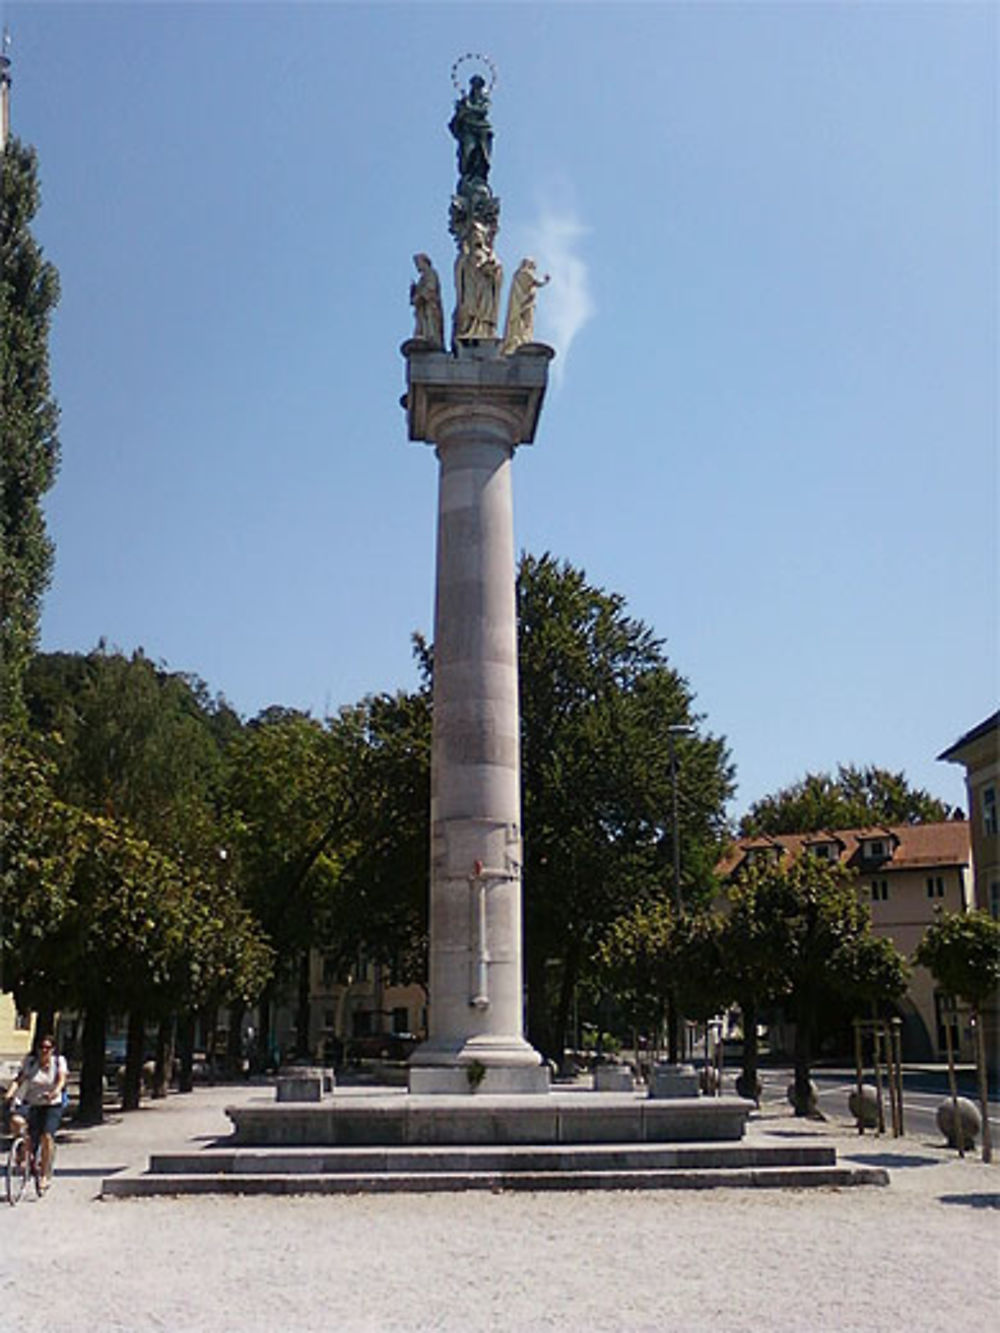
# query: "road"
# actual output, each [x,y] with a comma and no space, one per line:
[923,1093]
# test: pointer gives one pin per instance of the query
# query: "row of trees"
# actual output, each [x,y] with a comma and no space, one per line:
[298,833]
[161,855]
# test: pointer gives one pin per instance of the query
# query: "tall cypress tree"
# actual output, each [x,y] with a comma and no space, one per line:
[29,447]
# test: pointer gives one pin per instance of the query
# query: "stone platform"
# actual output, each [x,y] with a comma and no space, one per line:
[431,1169]
[571,1117]
[384,1141]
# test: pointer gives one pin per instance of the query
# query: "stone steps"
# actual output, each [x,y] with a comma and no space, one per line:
[496,1168]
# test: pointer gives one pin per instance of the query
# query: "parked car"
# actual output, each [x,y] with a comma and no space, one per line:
[382,1046]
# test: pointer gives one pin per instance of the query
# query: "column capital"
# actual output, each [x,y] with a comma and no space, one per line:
[477,386]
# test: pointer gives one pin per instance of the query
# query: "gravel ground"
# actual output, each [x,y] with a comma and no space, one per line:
[916,1256]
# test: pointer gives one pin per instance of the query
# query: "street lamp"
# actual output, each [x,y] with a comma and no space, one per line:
[678,729]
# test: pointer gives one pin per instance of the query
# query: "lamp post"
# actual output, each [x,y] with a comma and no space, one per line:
[677,729]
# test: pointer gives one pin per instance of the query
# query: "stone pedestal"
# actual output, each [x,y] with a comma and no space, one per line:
[613,1078]
[668,1080]
[475,408]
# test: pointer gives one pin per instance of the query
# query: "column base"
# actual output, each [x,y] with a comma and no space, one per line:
[480,1064]
[469,1079]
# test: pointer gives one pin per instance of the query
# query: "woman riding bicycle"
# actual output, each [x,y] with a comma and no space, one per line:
[39,1085]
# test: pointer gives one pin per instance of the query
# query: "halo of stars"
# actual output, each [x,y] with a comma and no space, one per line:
[474,55]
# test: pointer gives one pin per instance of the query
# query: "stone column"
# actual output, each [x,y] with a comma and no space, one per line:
[475,407]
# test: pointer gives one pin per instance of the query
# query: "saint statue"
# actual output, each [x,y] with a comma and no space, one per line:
[470,125]
[520,326]
[478,276]
[425,297]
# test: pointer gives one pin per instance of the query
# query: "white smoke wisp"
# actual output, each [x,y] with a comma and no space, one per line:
[565,304]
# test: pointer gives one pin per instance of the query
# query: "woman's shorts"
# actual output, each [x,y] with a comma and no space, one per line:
[44,1119]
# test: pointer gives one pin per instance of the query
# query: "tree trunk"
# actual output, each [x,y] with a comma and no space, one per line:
[570,972]
[234,1039]
[45,1023]
[746,1085]
[90,1110]
[132,1091]
[673,1027]
[539,1030]
[803,1059]
[185,1051]
[264,1006]
[210,1026]
[302,1010]
[164,1057]
[984,1105]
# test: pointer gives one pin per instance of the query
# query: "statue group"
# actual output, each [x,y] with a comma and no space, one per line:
[475,212]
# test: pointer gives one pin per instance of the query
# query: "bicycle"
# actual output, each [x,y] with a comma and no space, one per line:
[22,1166]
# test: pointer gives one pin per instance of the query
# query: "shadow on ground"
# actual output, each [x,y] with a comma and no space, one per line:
[891,1159]
[973,1200]
[82,1172]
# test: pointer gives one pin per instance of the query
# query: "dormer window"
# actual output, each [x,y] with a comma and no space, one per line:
[763,856]
[876,849]
[823,851]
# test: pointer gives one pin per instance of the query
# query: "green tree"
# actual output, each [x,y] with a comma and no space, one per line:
[962,952]
[138,743]
[40,839]
[855,798]
[289,802]
[818,949]
[597,698]
[29,447]
[139,750]
[753,946]
[653,957]
[381,900]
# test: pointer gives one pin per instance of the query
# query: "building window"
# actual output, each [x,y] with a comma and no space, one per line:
[935,886]
[400,1019]
[22,1020]
[990,810]
[821,850]
[994,903]
[880,890]
[329,1020]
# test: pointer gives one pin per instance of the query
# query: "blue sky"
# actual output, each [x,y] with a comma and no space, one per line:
[772,428]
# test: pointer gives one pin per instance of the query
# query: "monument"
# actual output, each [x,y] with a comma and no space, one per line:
[475,403]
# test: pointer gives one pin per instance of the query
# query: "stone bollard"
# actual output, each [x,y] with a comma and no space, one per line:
[812,1108]
[869,1105]
[613,1078]
[969,1121]
[743,1088]
[666,1080]
[303,1083]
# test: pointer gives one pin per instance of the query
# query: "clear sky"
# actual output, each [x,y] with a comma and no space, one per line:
[772,230]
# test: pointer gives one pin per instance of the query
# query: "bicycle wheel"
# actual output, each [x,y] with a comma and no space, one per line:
[18,1170]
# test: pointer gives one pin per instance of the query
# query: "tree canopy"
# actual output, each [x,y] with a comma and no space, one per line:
[962,951]
[799,934]
[29,447]
[855,798]
[598,697]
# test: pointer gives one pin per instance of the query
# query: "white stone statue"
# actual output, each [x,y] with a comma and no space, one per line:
[520,326]
[425,297]
[478,277]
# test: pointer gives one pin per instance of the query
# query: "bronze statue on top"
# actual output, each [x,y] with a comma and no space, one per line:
[470,126]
